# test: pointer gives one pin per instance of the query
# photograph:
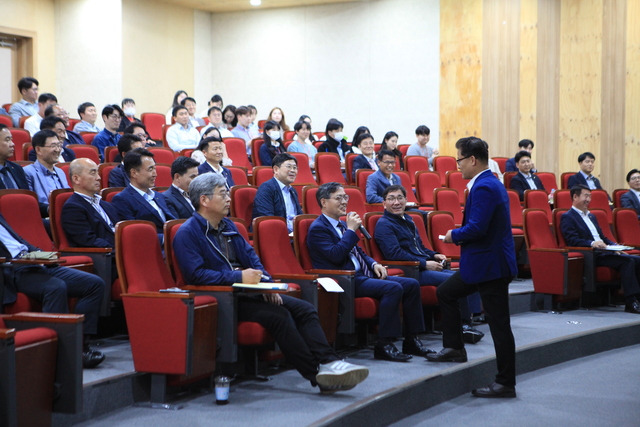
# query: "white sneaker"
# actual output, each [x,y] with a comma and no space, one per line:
[340,375]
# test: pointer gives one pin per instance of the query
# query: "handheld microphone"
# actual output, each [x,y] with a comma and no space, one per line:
[363,230]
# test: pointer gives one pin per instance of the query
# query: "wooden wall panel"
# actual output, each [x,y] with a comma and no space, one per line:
[632,89]
[580,81]
[528,72]
[460,71]
[500,74]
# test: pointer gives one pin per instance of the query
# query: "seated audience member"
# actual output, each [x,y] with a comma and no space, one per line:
[211,132]
[215,121]
[307,120]
[525,179]
[11,174]
[139,129]
[587,162]
[276,197]
[243,119]
[355,142]
[211,251]
[378,181]
[68,136]
[182,134]
[420,147]
[213,150]
[303,143]
[87,220]
[51,285]
[183,171]
[367,158]
[390,142]
[177,99]
[109,136]
[631,199]
[138,200]
[333,245]
[229,117]
[523,145]
[254,129]
[334,142]
[277,116]
[32,124]
[42,176]
[579,227]
[190,105]
[215,101]
[27,106]
[272,146]
[56,124]
[117,176]
[494,167]
[88,116]
[129,117]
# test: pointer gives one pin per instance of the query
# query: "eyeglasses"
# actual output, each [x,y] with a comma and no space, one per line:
[635,178]
[393,199]
[142,136]
[53,146]
[388,162]
[223,194]
[459,160]
[290,167]
[115,117]
[343,198]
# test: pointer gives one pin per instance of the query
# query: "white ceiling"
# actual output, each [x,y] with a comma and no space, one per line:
[240,5]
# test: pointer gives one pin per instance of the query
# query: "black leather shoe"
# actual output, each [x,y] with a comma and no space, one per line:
[91,358]
[413,345]
[495,390]
[448,355]
[471,335]
[632,307]
[389,352]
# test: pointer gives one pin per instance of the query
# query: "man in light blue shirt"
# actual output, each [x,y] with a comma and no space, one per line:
[420,147]
[88,115]
[27,106]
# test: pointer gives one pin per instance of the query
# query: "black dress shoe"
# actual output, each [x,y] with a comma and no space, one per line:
[471,335]
[448,355]
[495,390]
[389,352]
[632,307]
[413,345]
[91,358]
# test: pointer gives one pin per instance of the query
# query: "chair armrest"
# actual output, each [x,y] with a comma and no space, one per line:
[7,333]
[321,272]
[294,276]
[38,261]
[178,295]
[559,250]
[578,249]
[87,250]
[404,263]
[198,288]
[43,317]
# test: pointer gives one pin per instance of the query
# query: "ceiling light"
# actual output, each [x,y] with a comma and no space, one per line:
[255,2]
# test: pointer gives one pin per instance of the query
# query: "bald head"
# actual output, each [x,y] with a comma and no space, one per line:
[85,178]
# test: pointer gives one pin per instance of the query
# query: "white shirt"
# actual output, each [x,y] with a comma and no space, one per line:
[587,221]
[179,137]
[473,180]
[32,124]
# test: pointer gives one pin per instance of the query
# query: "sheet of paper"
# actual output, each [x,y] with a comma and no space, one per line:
[329,284]
[263,285]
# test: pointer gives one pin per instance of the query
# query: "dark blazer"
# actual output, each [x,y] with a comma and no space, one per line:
[510,166]
[17,172]
[398,240]
[9,292]
[178,203]
[579,179]
[360,162]
[575,231]
[520,184]
[331,146]
[84,226]
[206,167]
[629,200]
[131,205]
[377,183]
[267,153]
[118,177]
[487,250]
[269,201]
[74,138]
[329,251]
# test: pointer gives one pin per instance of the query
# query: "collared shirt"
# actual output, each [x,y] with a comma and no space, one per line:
[590,182]
[529,179]
[179,137]
[184,194]
[372,162]
[20,109]
[218,169]
[13,246]
[335,223]
[95,202]
[84,126]
[587,221]
[150,197]
[473,180]
[243,132]
[51,179]
[7,177]
[637,193]
[32,124]
[224,132]
[304,147]
[288,203]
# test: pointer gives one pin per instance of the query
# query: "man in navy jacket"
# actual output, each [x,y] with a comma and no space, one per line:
[117,176]
[585,177]
[631,199]
[183,171]
[525,179]
[211,251]
[11,175]
[213,150]
[378,181]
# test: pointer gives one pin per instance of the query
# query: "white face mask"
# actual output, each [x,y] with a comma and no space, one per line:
[130,111]
[338,136]
[274,134]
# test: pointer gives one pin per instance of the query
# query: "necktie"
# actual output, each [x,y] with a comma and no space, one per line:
[354,253]
[8,182]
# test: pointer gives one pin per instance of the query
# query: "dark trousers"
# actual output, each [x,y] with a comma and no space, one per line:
[495,299]
[53,285]
[295,326]
[391,292]
[629,268]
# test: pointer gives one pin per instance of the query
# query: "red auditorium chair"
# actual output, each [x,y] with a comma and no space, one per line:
[109,193]
[403,149]
[442,164]
[305,176]
[447,199]
[438,223]
[328,168]
[237,152]
[564,179]
[6,120]
[309,201]
[414,165]
[21,121]
[72,123]
[261,174]
[502,162]
[361,178]
[426,183]
[617,194]
[86,151]
[348,167]
[65,168]
[239,175]
[103,170]
[256,143]
[164,178]
[154,122]
[163,155]
[548,181]
[562,199]
[538,199]
[515,210]
[261,124]
[165,128]
[456,181]
[506,178]
[186,152]
[172,335]
[288,135]
[242,197]
[87,137]
[600,200]
[110,154]
[625,222]
[242,228]
[21,138]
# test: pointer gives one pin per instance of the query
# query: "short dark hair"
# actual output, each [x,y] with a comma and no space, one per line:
[524,143]
[279,159]
[359,131]
[585,155]
[333,124]
[3,126]
[576,190]
[631,172]
[49,122]
[83,107]
[125,141]
[26,83]
[133,159]
[473,146]
[303,117]
[383,153]
[299,125]
[360,138]
[204,144]
[252,108]
[521,154]
[242,111]
[216,98]
[132,126]
[177,108]
[45,97]
[423,130]
[127,101]
[326,190]
[188,98]
[109,109]
[213,108]
[182,164]
[49,111]
[392,188]
[40,138]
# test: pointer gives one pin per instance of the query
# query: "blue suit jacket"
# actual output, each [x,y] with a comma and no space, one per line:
[84,226]
[36,180]
[67,154]
[519,183]
[579,179]
[206,167]
[510,166]
[575,231]
[629,200]
[377,183]
[399,240]
[270,202]
[329,251]
[360,162]
[178,203]
[17,172]
[118,177]
[131,205]
[487,250]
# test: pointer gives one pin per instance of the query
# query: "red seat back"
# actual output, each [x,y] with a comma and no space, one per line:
[447,199]
[6,120]
[20,137]
[426,183]
[170,229]
[627,226]
[562,199]
[370,221]
[163,155]
[237,152]
[301,226]
[502,163]
[242,197]
[348,167]
[537,233]
[154,122]
[21,210]
[600,200]
[328,168]
[515,208]
[57,199]
[442,164]
[564,179]
[110,153]
[239,175]
[506,178]
[305,176]
[457,182]
[261,174]
[603,223]
[357,201]
[537,199]
[418,220]
[405,181]
[361,178]
[548,181]
[87,137]
[309,201]
[617,194]
[256,143]
[557,218]
[164,178]
[273,246]
[108,193]
[242,228]
[439,223]
[86,151]
[415,164]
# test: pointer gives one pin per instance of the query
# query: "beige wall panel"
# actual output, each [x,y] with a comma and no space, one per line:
[460,71]
[528,72]
[580,81]
[632,89]
[500,74]
[157,53]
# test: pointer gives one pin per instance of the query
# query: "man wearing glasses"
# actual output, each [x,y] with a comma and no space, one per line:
[109,136]
[378,181]
[631,199]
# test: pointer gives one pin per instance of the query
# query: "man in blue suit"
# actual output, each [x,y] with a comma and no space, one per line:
[487,265]
[183,171]
[631,199]
[213,150]
[378,181]
[523,145]
[277,197]
[11,175]
[333,245]
[579,227]
[585,177]
[117,176]
[366,160]
[525,179]
[138,200]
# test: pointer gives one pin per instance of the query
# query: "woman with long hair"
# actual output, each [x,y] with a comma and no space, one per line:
[272,137]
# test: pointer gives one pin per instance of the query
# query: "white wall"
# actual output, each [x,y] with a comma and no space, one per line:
[202,59]
[367,63]
[6,76]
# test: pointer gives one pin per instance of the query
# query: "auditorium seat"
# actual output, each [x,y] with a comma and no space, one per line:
[625,222]
[538,199]
[237,152]
[438,223]
[414,165]
[548,181]
[455,180]
[110,153]
[442,164]
[328,169]
[426,183]
[239,175]
[103,170]
[502,163]
[242,197]
[163,155]
[305,175]
[108,193]
[447,199]
[154,122]
[87,137]
[86,151]
[21,139]
[164,178]
[256,143]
